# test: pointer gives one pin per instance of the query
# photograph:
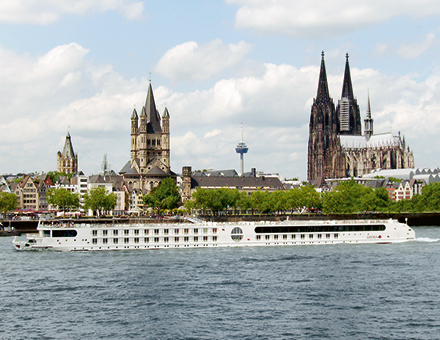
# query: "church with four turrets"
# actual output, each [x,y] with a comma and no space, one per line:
[337,148]
[150,147]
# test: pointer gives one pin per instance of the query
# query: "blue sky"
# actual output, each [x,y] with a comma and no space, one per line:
[84,66]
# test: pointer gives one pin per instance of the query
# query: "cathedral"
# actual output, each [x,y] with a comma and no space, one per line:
[150,147]
[337,148]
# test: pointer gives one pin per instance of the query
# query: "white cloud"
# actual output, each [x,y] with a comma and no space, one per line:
[198,62]
[213,133]
[409,49]
[414,49]
[46,12]
[322,18]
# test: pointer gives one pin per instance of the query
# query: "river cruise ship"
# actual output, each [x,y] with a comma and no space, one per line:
[74,236]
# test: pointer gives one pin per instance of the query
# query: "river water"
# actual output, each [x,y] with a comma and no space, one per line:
[300,292]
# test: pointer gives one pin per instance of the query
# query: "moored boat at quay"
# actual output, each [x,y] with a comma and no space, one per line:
[69,236]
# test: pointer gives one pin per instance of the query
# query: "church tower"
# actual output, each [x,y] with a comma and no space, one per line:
[150,142]
[368,121]
[347,110]
[325,157]
[67,161]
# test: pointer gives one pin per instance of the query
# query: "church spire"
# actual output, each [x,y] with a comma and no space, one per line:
[68,148]
[368,121]
[323,93]
[153,119]
[347,87]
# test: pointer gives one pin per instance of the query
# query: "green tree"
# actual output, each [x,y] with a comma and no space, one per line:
[54,175]
[96,199]
[8,202]
[244,201]
[350,197]
[62,198]
[216,200]
[293,199]
[279,200]
[261,200]
[430,198]
[344,199]
[309,197]
[164,196]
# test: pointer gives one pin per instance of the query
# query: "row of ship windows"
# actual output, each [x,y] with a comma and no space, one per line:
[136,240]
[185,231]
[293,236]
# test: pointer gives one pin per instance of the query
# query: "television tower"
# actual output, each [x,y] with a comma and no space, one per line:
[241,149]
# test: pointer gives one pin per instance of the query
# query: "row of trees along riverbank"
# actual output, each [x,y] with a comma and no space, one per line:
[347,198]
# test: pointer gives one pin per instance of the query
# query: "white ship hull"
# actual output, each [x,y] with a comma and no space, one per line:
[98,237]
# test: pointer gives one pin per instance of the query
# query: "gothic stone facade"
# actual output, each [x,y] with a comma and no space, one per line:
[150,147]
[337,147]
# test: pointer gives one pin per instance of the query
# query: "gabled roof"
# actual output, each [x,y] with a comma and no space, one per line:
[156,171]
[97,179]
[128,170]
[63,180]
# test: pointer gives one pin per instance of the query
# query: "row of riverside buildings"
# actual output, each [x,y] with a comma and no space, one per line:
[338,150]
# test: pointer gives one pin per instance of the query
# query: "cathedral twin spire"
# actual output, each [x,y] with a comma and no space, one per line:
[323,92]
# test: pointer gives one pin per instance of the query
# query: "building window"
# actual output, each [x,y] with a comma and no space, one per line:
[327,235]
[136,240]
[196,239]
[104,240]
[214,230]
[176,239]
[146,231]
[205,238]
[115,241]
[214,238]
[165,239]
[126,240]
[176,231]
[104,232]
[146,240]
[275,237]
[115,232]
[165,231]
[156,240]
[196,231]
[94,241]
[303,236]
[126,232]
[186,239]
[156,231]
[94,232]
[258,237]
[136,231]
[186,231]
